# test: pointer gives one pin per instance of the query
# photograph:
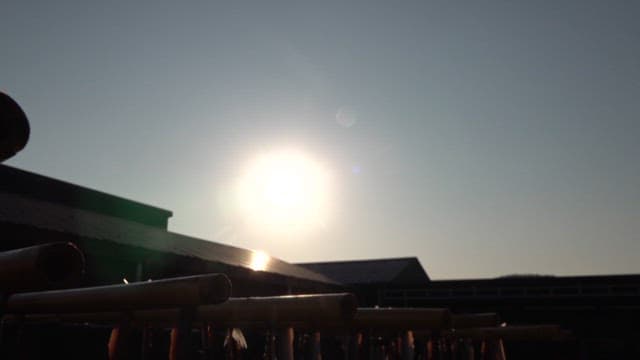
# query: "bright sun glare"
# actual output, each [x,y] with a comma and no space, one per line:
[284,191]
[259,261]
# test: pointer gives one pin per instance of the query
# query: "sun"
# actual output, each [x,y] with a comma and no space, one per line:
[284,190]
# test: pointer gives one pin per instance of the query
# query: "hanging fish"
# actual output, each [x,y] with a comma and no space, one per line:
[237,337]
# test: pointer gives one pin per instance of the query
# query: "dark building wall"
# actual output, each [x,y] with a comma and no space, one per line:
[602,312]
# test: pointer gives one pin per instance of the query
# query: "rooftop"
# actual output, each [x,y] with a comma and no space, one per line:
[17,209]
[405,271]
[36,186]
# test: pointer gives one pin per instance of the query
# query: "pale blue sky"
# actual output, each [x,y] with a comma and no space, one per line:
[492,137]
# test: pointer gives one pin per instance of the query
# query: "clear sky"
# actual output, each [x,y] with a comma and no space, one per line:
[484,137]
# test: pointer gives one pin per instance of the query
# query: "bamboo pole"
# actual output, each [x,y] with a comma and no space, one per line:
[302,311]
[402,318]
[47,266]
[184,291]
[513,333]
[465,321]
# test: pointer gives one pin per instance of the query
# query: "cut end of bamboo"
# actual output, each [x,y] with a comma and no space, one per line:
[62,264]
[214,289]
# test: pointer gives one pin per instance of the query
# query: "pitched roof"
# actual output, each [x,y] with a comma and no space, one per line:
[16,209]
[398,270]
[36,186]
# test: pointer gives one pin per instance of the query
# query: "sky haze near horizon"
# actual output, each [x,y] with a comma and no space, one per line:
[485,138]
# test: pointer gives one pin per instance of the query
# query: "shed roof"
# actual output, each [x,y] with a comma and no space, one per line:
[36,186]
[16,209]
[405,270]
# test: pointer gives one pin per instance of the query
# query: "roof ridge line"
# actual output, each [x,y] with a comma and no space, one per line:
[359,260]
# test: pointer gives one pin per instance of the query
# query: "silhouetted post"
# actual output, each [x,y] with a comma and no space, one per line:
[408,345]
[119,346]
[207,340]
[470,350]
[442,349]
[10,338]
[181,335]
[269,346]
[365,346]
[146,342]
[353,345]
[394,348]
[377,351]
[493,349]
[316,346]
[428,349]
[285,341]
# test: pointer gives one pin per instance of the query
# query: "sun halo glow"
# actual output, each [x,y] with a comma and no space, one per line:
[284,191]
